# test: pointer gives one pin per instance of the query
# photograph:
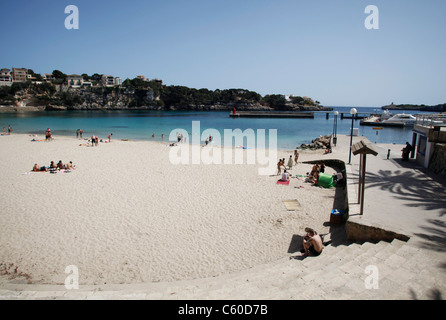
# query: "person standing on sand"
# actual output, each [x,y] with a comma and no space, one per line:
[9,130]
[109,137]
[322,167]
[312,243]
[290,163]
[80,132]
[279,170]
[77,133]
[296,156]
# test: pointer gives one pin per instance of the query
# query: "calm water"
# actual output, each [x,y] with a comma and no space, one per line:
[140,125]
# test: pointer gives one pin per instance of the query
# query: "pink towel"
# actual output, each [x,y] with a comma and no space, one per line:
[283,182]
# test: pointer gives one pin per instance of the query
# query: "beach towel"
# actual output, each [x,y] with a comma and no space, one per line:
[292,205]
[283,182]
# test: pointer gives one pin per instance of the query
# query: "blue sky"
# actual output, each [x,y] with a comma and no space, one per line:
[319,49]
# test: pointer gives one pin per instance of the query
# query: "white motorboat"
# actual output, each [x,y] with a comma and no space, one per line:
[401,118]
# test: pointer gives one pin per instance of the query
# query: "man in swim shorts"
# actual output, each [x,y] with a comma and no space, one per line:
[312,243]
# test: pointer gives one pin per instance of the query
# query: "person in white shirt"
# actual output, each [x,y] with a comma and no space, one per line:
[285,176]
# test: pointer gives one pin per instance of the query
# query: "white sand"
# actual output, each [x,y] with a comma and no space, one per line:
[127,215]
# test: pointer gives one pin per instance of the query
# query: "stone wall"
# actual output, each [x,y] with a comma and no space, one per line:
[438,160]
[360,233]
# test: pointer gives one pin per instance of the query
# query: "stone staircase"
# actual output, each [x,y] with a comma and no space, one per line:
[347,271]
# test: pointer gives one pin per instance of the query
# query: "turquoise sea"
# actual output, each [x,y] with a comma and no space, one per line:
[141,125]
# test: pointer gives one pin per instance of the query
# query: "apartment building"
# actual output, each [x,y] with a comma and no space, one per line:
[5,77]
[74,80]
[48,77]
[19,74]
[108,81]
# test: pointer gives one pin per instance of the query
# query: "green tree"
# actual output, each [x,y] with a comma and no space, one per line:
[96,77]
[59,75]
[275,101]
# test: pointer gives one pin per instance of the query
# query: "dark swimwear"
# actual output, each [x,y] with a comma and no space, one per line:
[313,251]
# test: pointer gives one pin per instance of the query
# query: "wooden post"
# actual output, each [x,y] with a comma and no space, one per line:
[414,142]
[360,178]
[362,149]
[363,184]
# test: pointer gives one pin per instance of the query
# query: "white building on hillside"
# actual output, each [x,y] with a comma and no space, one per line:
[107,80]
[74,80]
[6,77]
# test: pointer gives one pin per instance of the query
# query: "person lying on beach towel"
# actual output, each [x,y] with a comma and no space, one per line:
[36,168]
[70,165]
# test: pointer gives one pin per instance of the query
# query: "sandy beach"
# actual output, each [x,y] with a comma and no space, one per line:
[127,215]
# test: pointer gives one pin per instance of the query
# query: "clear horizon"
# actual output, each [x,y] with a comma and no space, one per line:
[321,50]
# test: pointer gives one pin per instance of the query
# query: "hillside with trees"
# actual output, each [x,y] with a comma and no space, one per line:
[140,94]
[416,107]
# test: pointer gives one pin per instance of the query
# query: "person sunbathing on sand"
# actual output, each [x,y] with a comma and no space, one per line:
[312,243]
[69,165]
[60,165]
[36,168]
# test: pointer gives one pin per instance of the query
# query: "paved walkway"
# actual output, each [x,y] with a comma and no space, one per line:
[399,196]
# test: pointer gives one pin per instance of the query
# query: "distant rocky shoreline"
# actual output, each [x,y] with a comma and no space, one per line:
[416,107]
[122,107]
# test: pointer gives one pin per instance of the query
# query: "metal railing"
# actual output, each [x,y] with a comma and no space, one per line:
[431,120]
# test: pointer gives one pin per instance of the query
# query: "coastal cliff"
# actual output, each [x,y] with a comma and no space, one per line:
[144,96]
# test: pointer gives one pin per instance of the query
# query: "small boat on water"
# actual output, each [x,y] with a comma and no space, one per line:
[401,118]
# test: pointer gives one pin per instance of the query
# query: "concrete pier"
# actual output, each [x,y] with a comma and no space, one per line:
[269,114]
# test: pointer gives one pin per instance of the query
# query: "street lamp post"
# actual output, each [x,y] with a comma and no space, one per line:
[353,112]
[335,128]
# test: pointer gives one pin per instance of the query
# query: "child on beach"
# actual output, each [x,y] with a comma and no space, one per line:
[279,166]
